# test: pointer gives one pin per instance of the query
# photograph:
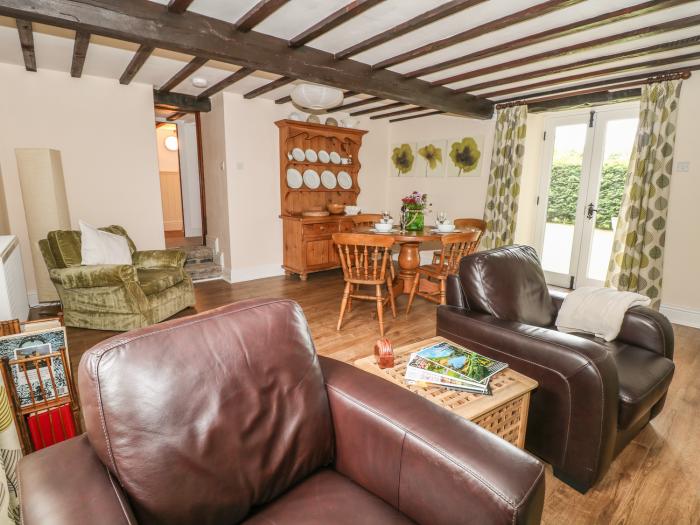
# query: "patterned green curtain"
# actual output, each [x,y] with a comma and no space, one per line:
[10,453]
[636,261]
[501,208]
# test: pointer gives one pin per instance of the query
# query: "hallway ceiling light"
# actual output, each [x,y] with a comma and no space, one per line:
[171,143]
[199,82]
[316,96]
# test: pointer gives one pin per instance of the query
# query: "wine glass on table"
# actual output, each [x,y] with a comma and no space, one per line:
[441,218]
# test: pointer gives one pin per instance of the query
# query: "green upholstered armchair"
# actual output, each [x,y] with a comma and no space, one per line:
[116,296]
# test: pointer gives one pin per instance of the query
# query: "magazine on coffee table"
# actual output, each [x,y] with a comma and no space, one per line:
[418,371]
[467,365]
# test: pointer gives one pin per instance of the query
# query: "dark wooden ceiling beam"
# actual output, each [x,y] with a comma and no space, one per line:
[423,19]
[397,113]
[521,16]
[569,29]
[380,108]
[257,14]
[592,74]
[420,115]
[194,34]
[180,102]
[26,40]
[596,61]
[228,81]
[80,47]
[570,50]
[584,100]
[342,15]
[192,66]
[179,6]
[606,83]
[136,63]
[270,86]
[357,103]
[288,98]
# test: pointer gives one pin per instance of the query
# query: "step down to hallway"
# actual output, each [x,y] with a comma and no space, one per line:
[199,263]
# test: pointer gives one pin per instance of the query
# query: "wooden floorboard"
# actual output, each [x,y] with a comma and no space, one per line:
[655,480]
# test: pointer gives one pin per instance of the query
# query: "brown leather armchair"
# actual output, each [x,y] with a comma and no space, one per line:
[231,417]
[593,397]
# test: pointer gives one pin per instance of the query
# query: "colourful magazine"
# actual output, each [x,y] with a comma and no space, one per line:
[418,371]
[462,363]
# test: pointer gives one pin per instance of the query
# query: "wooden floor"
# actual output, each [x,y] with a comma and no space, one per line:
[656,479]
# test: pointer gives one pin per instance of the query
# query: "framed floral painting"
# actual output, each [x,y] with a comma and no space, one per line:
[464,156]
[431,158]
[403,160]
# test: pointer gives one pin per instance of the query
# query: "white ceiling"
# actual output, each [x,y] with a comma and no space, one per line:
[108,58]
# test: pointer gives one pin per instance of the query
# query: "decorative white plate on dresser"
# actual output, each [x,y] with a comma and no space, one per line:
[328,179]
[323,156]
[311,155]
[311,179]
[344,180]
[294,178]
[298,154]
[335,158]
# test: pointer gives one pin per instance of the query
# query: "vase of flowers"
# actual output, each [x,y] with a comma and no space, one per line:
[413,211]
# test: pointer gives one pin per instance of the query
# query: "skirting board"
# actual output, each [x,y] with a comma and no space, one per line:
[239,275]
[680,315]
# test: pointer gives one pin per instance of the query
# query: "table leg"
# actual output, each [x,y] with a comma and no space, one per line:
[409,260]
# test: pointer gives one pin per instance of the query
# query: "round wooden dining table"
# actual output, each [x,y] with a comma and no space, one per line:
[409,253]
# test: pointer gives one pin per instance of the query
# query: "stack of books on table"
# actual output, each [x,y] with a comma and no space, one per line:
[452,366]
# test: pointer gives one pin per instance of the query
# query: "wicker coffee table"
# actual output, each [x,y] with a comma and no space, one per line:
[504,413]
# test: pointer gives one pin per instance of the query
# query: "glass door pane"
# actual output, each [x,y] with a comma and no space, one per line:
[618,141]
[562,201]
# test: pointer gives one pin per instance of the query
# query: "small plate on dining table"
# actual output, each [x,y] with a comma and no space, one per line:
[393,230]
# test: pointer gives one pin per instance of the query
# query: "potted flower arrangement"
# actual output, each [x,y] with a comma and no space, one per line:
[413,211]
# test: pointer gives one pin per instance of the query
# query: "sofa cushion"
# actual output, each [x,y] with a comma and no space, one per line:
[644,377]
[203,444]
[328,497]
[154,281]
[65,246]
[509,284]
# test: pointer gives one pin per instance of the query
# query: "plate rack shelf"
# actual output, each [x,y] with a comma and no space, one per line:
[307,241]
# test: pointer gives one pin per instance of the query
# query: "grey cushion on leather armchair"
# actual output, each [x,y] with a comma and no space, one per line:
[593,397]
[231,417]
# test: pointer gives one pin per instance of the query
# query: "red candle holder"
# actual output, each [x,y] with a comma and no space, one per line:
[384,353]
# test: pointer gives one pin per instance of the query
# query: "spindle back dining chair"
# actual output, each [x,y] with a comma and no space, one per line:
[368,220]
[365,260]
[462,225]
[454,247]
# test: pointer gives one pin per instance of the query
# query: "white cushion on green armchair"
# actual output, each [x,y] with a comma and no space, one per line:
[100,247]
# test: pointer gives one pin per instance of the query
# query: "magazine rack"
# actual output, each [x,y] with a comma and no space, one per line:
[51,412]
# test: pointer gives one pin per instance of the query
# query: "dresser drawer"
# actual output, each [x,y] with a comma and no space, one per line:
[320,229]
[347,226]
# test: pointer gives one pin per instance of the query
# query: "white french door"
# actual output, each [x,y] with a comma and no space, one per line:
[585,160]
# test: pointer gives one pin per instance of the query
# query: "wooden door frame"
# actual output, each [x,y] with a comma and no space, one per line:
[200,161]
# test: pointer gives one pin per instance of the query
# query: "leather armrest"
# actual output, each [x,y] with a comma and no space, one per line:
[573,413]
[66,484]
[454,295]
[159,259]
[94,276]
[430,464]
[647,329]
[557,298]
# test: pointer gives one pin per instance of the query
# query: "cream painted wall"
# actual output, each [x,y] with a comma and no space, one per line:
[105,132]
[681,287]
[215,181]
[458,196]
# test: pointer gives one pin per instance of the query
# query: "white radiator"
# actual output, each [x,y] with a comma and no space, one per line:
[13,291]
